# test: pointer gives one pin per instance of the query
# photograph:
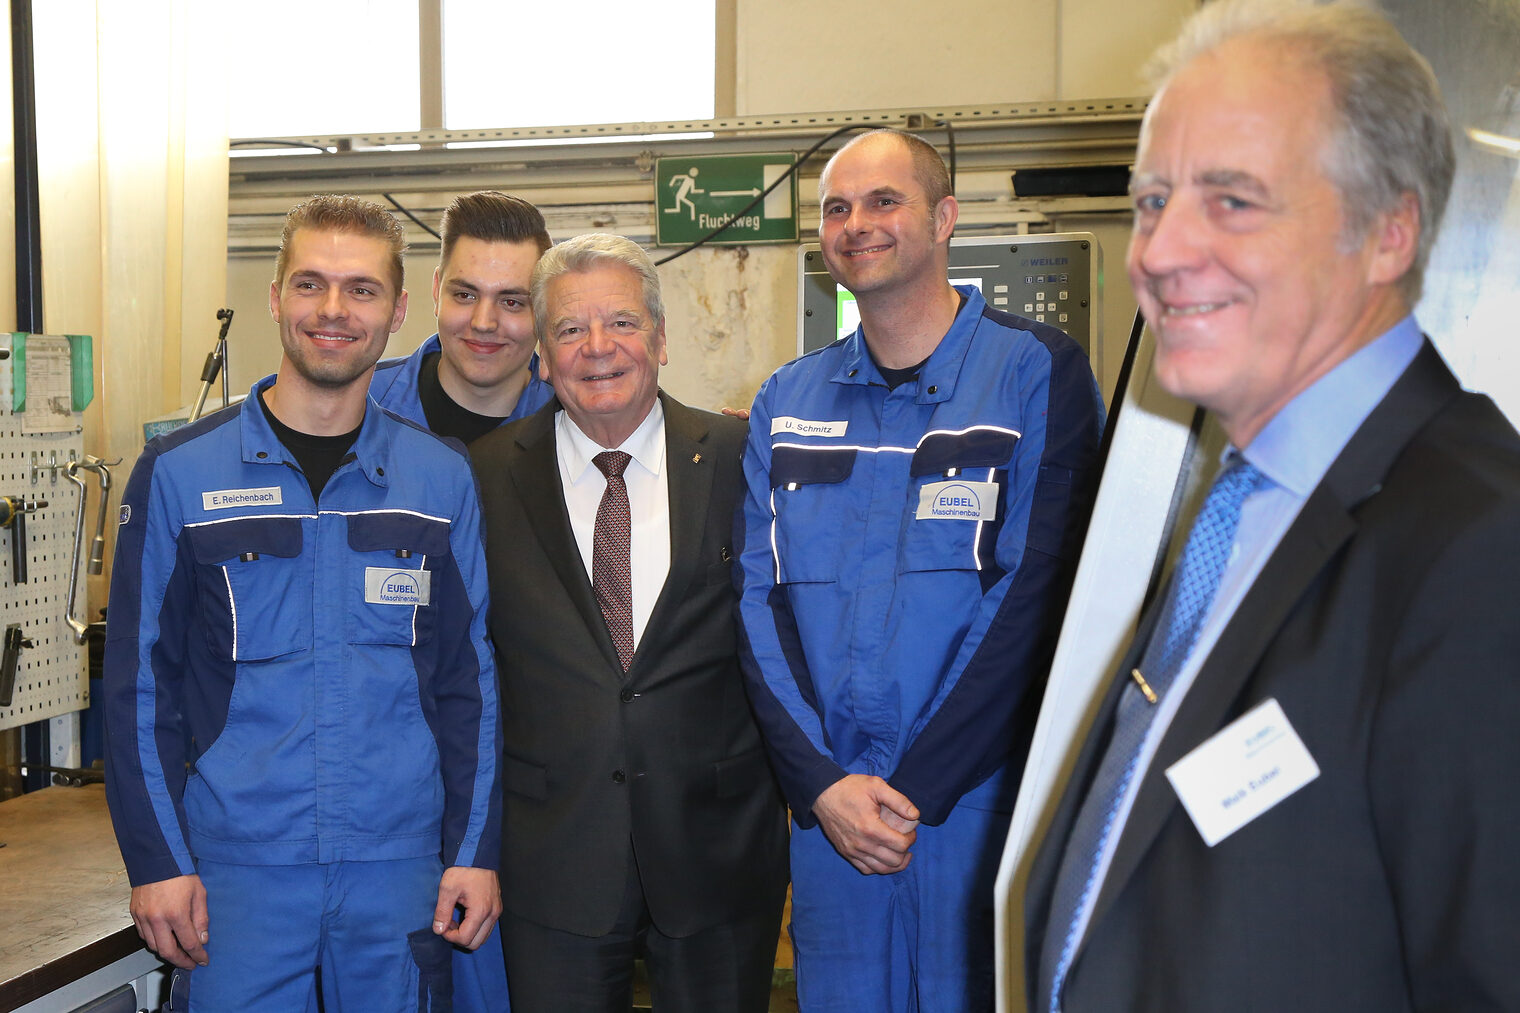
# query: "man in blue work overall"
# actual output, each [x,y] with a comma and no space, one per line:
[297,617]
[917,492]
[479,371]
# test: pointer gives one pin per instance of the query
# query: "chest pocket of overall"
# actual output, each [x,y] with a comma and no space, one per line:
[809,496]
[398,545]
[253,591]
[964,464]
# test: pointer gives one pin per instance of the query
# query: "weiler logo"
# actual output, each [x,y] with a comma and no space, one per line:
[385,586]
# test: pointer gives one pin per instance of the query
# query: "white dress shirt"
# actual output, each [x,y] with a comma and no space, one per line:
[648,502]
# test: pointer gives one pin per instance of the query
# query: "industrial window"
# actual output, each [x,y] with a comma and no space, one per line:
[594,61]
[303,68]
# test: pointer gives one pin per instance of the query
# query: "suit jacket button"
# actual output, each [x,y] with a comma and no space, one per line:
[627,695]
[617,777]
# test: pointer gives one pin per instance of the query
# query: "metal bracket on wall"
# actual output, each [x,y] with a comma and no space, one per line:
[53,467]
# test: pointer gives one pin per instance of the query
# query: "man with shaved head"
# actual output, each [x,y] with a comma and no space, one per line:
[916,496]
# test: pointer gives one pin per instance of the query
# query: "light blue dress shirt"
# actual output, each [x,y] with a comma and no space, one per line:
[1294,451]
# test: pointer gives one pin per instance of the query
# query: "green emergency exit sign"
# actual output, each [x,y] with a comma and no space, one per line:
[693,196]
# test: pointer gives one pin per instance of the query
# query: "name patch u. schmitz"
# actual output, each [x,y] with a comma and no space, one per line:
[957,500]
[808,427]
[386,586]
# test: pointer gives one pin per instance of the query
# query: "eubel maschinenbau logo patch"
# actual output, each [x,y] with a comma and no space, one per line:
[958,500]
[387,586]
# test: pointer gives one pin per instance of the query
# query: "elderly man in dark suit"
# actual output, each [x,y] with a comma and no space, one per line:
[1299,792]
[642,814]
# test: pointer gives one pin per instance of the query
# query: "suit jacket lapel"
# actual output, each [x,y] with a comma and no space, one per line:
[535,476]
[689,476]
[1322,527]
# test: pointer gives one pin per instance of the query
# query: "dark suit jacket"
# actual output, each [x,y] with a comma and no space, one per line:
[667,755]
[1385,625]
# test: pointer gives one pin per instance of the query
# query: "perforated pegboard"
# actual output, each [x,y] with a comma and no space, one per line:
[51,677]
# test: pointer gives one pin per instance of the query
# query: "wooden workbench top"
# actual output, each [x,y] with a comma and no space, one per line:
[63,892]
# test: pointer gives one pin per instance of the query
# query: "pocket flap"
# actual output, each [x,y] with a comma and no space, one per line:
[391,530]
[219,541]
[981,447]
[739,774]
[523,778]
[810,465]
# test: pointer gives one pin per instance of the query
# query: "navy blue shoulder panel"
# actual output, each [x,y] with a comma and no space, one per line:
[201,426]
[1048,335]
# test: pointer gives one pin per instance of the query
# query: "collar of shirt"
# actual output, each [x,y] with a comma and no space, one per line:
[646,444]
[371,449]
[936,381]
[1299,444]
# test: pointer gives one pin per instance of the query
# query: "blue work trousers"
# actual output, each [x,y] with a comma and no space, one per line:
[917,941]
[367,925]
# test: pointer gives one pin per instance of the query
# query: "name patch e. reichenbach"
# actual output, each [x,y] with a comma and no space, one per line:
[385,586]
[224,498]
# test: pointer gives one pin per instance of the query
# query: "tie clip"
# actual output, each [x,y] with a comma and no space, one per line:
[1145,687]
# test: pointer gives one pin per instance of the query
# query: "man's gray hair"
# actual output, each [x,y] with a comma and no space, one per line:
[1393,136]
[583,253]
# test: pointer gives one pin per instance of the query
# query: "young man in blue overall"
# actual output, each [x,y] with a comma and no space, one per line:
[300,700]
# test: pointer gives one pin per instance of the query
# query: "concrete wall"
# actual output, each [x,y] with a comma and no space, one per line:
[794,56]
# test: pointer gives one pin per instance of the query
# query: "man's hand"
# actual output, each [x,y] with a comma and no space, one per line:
[171,917]
[869,822]
[741,414]
[479,893]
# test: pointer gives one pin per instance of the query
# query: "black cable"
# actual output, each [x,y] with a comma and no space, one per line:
[950,138]
[420,223]
[270,142]
[789,174]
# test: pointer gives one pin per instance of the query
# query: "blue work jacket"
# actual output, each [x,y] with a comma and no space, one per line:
[906,554]
[289,681]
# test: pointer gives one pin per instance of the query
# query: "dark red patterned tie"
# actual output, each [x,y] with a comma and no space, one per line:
[609,555]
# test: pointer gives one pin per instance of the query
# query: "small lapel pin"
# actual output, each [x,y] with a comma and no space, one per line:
[696,458]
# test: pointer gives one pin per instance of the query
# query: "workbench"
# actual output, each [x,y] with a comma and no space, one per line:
[65,934]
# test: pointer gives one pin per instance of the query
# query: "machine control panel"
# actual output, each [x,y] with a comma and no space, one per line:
[1053,279]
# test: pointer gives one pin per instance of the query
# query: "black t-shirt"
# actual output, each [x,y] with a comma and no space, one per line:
[445,416]
[897,377]
[318,456]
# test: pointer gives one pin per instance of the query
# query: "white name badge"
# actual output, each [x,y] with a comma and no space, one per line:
[807,427]
[956,500]
[386,586]
[1242,771]
[224,498]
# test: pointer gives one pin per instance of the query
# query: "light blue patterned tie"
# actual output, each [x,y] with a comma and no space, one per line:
[1188,599]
